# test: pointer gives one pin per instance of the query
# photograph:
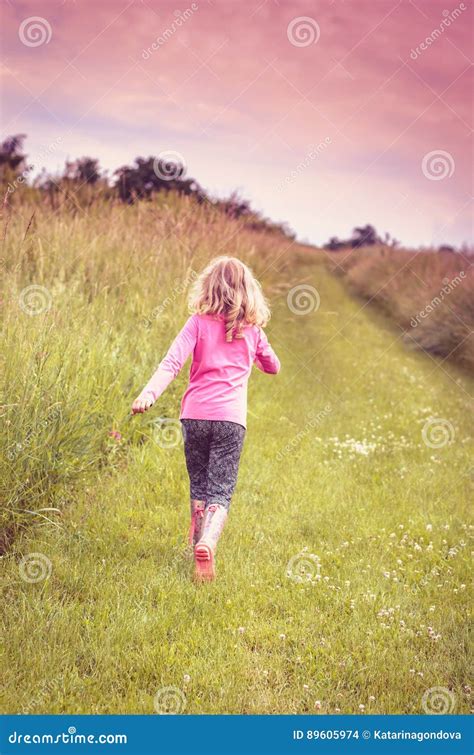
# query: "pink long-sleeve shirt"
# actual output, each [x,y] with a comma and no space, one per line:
[219,371]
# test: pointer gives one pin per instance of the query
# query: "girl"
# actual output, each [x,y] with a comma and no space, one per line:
[225,338]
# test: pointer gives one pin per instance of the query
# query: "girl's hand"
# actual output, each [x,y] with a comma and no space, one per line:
[141,405]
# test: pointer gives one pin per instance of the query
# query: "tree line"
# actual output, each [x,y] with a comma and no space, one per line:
[83,182]
[84,179]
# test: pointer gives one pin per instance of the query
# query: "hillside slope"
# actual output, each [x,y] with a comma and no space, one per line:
[342,572]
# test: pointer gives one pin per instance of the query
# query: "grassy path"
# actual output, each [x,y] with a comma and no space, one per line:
[336,485]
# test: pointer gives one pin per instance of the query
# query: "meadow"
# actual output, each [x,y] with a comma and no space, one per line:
[428,294]
[343,571]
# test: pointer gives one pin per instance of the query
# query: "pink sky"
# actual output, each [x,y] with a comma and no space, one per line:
[246,108]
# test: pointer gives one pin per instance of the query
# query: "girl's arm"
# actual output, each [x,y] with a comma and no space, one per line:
[265,358]
[182,346]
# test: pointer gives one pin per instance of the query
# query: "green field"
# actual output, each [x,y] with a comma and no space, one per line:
[343,570]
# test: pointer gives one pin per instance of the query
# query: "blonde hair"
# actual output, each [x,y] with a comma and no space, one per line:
[228,288]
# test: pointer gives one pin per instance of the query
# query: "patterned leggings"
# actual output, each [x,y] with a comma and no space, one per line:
[212,449]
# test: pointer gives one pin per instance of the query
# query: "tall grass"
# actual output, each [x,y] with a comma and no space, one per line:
[429,294]
[76,349]
[343,571]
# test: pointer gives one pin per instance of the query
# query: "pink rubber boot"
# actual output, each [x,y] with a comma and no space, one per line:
[214,520]
[197,518]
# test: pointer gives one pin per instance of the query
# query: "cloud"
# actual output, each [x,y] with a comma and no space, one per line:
[227,82]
